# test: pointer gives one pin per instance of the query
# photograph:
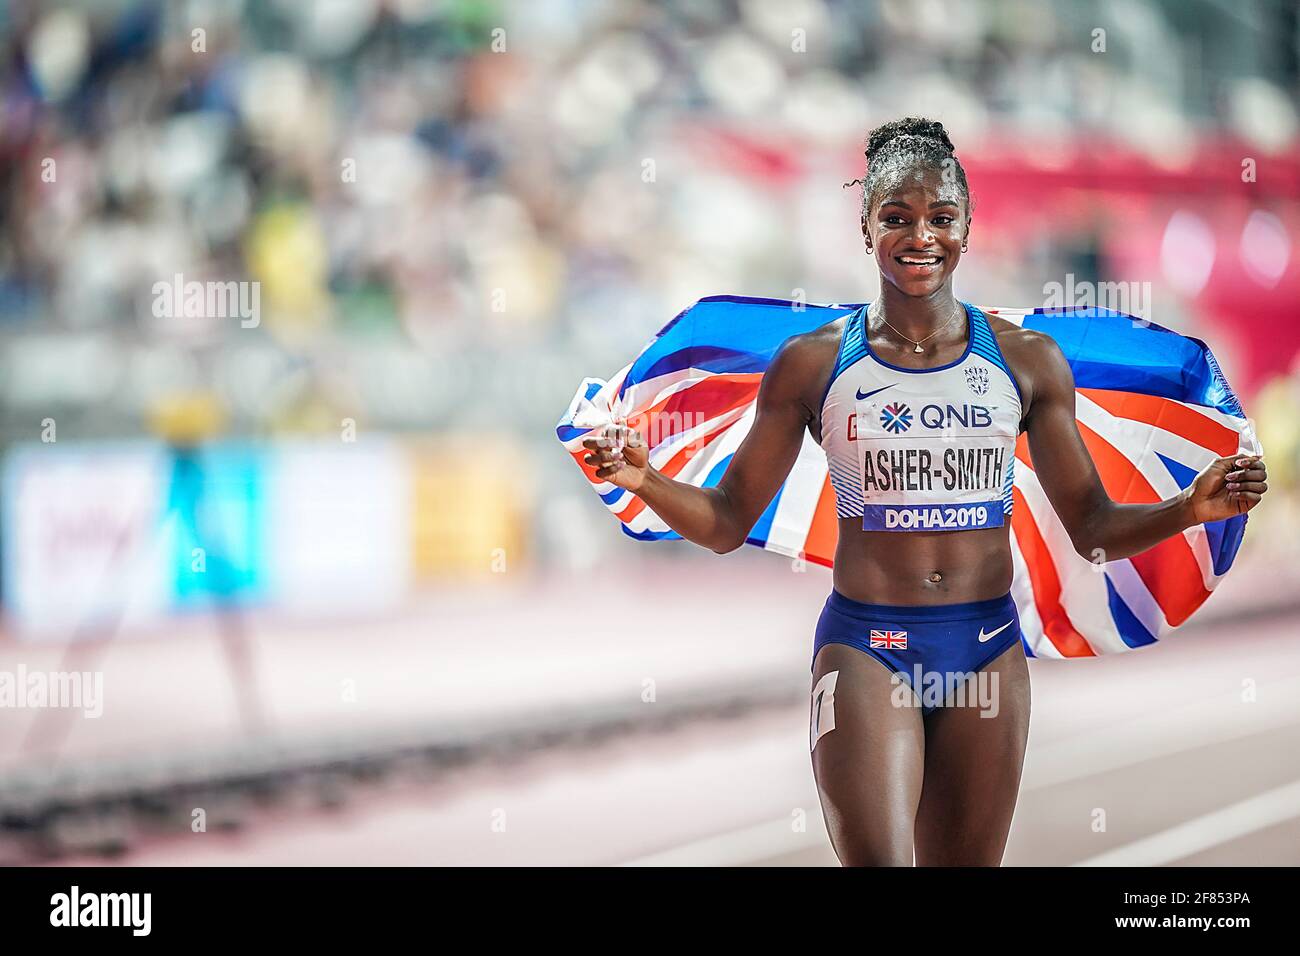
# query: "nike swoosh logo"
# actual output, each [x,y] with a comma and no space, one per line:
[862,394]
[992,634]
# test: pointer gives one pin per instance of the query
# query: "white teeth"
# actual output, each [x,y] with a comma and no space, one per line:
[919,262]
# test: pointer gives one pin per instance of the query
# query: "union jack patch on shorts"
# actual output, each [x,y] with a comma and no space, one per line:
[897,640]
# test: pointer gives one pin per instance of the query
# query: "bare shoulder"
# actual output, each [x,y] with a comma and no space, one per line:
[1034,358]
[1029,344]
[1036,363]
[815,343]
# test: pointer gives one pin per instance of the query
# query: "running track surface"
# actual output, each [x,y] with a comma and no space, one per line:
[1185,768]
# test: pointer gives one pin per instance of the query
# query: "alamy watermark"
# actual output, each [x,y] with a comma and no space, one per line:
[1131,298]
[177,299]
[74,908]
[660,427]
[22,689]
[931,689]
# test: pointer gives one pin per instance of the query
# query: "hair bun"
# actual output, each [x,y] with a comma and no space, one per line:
[910,126]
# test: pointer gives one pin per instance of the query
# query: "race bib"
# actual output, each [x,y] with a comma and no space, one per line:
[932,466]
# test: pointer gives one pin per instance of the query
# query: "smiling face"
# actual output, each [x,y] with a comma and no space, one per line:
[916,225]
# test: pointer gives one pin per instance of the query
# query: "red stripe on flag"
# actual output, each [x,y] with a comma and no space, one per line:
[1119,476]
[824,532]
[1171,574]
[1046,584]
[1169,415]
[685,409]
[1169,570]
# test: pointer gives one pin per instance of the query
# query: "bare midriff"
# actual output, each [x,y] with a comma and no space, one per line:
[920,567]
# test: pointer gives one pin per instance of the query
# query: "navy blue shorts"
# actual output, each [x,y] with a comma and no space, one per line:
[932,649]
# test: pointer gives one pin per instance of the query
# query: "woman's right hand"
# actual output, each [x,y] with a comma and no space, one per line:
[620,456]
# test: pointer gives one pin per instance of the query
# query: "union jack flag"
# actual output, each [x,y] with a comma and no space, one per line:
[897,640]
[1152,405]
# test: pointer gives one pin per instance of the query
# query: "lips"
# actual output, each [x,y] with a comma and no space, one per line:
[919,264]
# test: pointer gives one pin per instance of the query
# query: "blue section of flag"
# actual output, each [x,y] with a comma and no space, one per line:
[1180,472]
[725,333]
[1131,631]
[709,359]
[1118,351]
[1224,538]
[569,432]
[762,529]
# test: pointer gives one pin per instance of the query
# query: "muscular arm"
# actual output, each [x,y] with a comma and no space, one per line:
[720,518]
[1098,526]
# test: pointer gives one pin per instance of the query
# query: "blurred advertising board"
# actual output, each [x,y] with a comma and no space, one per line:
[100,538]
[471,510]
[337,521]
[81,543]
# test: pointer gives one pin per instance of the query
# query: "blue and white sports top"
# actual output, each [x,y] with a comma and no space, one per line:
[921,449]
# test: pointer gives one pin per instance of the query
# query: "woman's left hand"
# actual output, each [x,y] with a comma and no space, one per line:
[1227,487]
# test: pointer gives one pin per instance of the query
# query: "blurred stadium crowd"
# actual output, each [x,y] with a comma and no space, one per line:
[455,209]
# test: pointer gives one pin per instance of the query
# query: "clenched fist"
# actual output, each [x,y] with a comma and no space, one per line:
[620,456]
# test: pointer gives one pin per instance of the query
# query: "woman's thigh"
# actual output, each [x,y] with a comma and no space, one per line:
[974,753]
[868,757]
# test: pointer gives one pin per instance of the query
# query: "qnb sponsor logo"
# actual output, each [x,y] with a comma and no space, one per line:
[22,689]
[951,416]
[179,299]
[75,908]
[896,418]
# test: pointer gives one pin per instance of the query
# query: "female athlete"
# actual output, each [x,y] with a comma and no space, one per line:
[917,400]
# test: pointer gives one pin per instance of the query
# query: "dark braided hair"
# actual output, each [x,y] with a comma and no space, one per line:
[896,147]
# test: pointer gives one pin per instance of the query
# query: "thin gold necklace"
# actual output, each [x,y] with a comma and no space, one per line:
[917,342]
